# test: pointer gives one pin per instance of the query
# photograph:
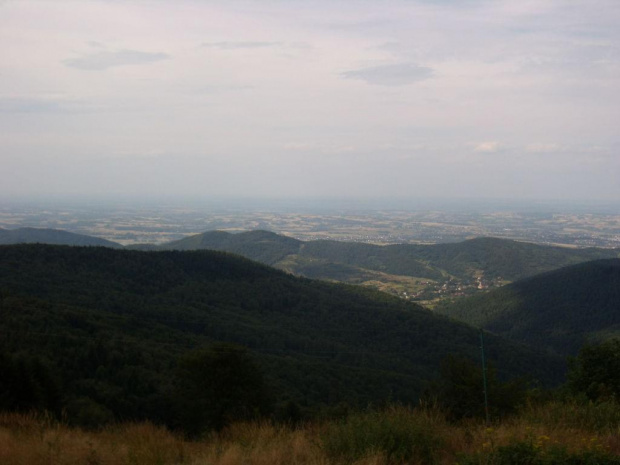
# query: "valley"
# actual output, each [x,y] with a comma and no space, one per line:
[560,311]
[427,274]
[571,227]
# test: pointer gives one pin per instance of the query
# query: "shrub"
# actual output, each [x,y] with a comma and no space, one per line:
[532,452]
[596,371]
[399,434]
[459,391]
[594,416]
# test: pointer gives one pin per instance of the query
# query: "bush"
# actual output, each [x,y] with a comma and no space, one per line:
[88,414]
[593,416]
[596,371]
[459,391]
[399,434]
[531,452]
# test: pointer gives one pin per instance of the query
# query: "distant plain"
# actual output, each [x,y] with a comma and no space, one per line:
[159,222]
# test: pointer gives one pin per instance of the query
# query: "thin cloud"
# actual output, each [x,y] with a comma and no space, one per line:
[542,148]
[100,61]
[487,147]
[42,105]
[218,89]
[28,105]
[377,24]
[239,45]
[391,75]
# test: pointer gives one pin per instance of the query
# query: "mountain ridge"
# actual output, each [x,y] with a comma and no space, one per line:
[427,273]
[114,322]
[424,273]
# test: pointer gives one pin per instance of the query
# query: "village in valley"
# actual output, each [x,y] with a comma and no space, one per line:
[430,292]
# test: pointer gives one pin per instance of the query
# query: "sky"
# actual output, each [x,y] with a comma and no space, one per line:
[295,99]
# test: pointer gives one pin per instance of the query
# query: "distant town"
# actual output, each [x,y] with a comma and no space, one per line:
[433,292]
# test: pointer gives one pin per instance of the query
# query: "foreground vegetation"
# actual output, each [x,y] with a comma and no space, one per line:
[558,432]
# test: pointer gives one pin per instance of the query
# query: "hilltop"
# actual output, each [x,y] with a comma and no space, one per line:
[559,310]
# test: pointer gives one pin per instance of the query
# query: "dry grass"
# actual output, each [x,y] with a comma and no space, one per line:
[33,440]
[36,440]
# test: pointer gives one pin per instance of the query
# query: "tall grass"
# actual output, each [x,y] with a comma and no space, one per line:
[596,416]
[397,434]
[571,433]
[32,439]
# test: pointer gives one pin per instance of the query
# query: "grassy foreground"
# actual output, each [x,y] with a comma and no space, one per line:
[568,433]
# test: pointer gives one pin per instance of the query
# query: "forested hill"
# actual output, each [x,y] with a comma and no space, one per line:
[51,236]
[504,258]
[111,324]
[559,310]
[355,262]
[263,246]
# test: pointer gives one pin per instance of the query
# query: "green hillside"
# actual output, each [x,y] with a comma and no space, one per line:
[111,325]
[465,266]
[416,272]
[511,260]
[559,310]
[505,258]
[262,246]
[51,236]
[397,260]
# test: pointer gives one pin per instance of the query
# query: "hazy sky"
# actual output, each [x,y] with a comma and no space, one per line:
[449,98]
